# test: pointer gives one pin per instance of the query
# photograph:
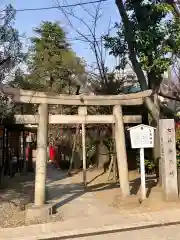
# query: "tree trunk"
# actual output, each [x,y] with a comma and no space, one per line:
[73,149]
[156,149]
[151,102]
[132,55]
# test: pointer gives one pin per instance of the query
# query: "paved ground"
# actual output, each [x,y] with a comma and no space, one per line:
[160,233]
[100,226]
[71,199]
[100,198]
[108,193]
[84,215]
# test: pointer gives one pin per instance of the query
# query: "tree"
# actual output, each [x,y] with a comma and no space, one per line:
[11,53]
[52,63]
[149,39]
[100,79]
[148,36]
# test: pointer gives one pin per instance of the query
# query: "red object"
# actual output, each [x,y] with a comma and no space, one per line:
[177,125]
[52,153]
[52,156]
[27,152]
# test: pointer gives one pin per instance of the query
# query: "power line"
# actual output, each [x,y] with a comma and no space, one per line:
[55,7]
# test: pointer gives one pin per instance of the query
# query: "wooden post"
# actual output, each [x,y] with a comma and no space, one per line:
[121,151]
[110,167]
[84,153]
[83,112]
[73,149]
[114,168]
[41,159]
[143,178]
[113,154]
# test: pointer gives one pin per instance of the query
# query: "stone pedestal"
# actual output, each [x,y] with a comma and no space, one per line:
[38,213]
[168,159]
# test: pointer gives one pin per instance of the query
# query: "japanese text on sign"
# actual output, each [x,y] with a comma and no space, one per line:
[169,147]
[168,158]
[142,136]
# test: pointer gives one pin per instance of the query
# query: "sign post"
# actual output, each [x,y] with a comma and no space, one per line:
[142,136]
[143,178]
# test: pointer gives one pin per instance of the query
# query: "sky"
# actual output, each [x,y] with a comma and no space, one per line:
[26,21]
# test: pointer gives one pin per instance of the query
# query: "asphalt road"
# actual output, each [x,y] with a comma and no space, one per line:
[156,233]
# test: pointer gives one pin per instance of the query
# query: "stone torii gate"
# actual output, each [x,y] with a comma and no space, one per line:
[83,101]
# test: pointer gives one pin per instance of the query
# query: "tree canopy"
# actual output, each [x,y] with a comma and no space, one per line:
[148,35]
[52,63]
[11,52]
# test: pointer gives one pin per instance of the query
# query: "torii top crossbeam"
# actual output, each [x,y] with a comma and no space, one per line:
[25,96]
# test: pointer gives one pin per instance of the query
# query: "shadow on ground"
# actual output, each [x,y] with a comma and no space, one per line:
[73,191]
[59,175]
[70,192]
[18,190]
[136,183]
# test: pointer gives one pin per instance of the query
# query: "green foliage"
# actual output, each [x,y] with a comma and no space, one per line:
[52,63]
[10,45]
[11,55]
[149,165]
[91,149]
[156,37]
[109,143]
[178,146]
[178,159]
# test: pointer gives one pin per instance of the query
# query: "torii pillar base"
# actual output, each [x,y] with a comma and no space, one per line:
[36,214]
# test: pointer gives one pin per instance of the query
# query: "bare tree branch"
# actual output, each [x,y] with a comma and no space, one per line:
[95,44]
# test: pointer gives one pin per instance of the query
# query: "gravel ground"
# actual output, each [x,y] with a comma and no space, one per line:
[14,197]
[19,192]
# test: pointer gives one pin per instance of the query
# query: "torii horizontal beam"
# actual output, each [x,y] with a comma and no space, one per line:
[25,96]
[76,119]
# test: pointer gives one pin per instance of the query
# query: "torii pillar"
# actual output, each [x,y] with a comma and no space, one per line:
[39,209]
[41,158]
[121,151]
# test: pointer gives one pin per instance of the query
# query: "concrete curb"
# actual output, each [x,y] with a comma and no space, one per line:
[103,230]
[83,227]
